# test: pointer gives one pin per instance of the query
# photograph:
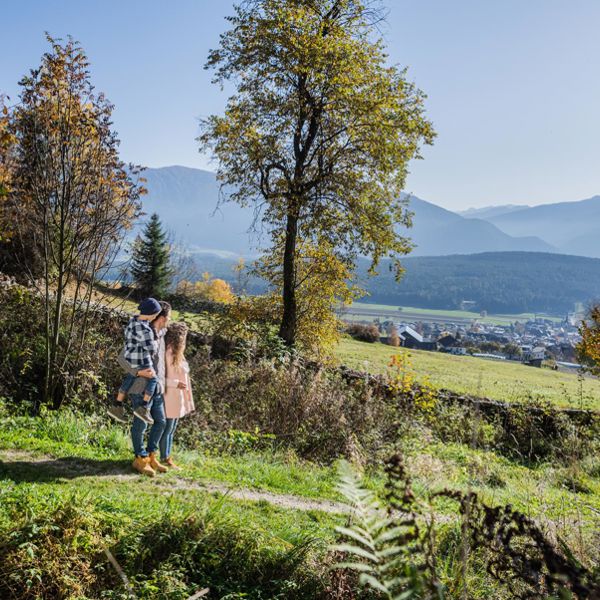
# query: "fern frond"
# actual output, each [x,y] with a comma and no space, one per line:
[356,551]
[375,540]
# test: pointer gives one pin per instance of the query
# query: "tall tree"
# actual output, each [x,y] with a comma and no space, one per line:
[71,198]
[151,260]
[319,132]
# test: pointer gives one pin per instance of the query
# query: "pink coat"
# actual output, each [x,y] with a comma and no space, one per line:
[178,403]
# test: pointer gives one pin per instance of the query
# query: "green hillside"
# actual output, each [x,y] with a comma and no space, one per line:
[503,283]
[251,525]
[504,381]
[499,282]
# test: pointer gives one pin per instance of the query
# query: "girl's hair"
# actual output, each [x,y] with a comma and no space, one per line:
[175,340]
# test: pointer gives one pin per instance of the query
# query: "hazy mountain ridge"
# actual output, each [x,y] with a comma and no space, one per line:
[187,201]
[488,212]
[571,227]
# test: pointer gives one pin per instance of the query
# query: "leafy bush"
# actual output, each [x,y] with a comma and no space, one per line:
[530,433]
[22,343]
[363,333]
[89,377]
[48,554]
[317,413]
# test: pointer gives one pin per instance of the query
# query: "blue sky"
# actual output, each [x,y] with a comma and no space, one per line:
[513,85]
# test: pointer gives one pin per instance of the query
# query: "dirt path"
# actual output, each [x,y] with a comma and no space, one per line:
[22,464]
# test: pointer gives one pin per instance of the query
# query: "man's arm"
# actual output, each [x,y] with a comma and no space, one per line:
[125,365]
[129,369]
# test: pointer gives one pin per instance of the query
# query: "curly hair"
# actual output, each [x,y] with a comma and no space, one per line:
[175,339]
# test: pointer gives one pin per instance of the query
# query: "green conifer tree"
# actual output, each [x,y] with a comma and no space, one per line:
[151,262]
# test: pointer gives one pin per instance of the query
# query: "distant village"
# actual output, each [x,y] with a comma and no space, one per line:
[534,342]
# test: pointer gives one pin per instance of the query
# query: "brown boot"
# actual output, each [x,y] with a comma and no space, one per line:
[170,463]
[142,465]
[155,464]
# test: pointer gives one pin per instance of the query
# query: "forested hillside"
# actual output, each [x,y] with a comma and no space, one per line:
[500,282]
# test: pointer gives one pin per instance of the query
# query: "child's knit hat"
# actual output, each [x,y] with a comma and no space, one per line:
[149,306]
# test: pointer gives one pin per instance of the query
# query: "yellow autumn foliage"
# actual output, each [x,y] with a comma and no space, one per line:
[208,289]
[588,349]
[402,379]
[323,284]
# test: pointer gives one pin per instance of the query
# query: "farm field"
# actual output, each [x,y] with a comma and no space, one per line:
[364,309]
[504,381]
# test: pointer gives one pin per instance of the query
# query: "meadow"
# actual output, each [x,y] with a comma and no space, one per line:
[67,495]
[499,380]
[409,312]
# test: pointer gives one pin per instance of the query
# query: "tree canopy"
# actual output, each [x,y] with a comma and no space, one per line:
[67,196]
[319,132]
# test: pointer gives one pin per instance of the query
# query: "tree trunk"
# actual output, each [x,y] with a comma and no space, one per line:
[287,329]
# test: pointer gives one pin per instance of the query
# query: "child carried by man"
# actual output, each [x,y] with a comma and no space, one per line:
[140,347]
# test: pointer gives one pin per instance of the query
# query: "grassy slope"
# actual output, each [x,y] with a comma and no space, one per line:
[65,464]
[545,492]
[499,380]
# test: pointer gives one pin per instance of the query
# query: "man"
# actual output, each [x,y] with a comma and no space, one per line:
[145,457]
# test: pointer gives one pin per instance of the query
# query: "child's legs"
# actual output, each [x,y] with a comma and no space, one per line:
[125,387]
[151,385]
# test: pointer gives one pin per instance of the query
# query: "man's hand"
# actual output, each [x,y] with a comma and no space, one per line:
[182,385]
[147,373]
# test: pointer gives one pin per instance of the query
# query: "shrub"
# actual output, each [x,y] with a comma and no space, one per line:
[49,555]
[89,376]
[363,333]
[317,413]
[22,343]
[54,547]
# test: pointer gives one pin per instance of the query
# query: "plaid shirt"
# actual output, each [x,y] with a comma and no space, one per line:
[140,344]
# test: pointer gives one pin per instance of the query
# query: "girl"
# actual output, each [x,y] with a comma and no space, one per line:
[178,402]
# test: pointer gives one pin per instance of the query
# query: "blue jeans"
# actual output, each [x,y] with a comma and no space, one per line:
[157,410]
[151,384]
[166,441]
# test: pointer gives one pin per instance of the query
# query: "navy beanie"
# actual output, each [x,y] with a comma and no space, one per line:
[149,306]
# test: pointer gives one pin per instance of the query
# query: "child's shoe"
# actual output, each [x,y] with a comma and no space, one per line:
[142,465]
[155,464]
[117,412]
[143,413]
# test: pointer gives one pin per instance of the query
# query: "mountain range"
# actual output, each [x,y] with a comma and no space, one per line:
[507,258]
[191,207]
[490,211]
[570,227]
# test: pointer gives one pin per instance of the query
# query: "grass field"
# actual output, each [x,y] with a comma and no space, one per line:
[448,314]
[173,536]
[507,381]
